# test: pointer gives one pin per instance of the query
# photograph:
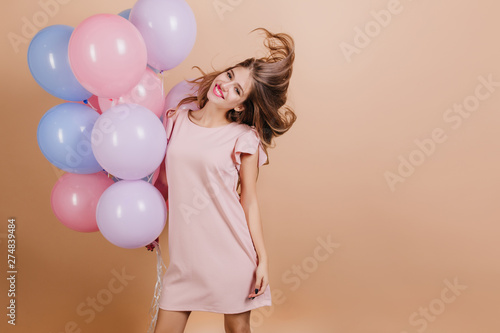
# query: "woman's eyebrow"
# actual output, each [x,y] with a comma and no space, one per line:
[234,77]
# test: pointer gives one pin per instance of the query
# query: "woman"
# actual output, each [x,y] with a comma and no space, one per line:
[218,261]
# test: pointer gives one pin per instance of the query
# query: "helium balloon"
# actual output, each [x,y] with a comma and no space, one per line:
[107,54]
[74,199]
[180,91]
[49,64]
[131,213]
[129,141]
[148,93]
[64,137]
[168,28]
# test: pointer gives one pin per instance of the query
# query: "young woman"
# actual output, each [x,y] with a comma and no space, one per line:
[218,261]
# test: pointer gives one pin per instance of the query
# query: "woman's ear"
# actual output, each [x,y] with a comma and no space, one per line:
[239,108]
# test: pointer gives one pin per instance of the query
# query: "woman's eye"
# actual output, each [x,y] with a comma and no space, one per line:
[237,91]
[229,75]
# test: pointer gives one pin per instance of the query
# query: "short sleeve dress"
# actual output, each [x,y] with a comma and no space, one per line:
[212,257]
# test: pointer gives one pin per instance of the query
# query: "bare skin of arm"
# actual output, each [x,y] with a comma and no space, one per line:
[248,199]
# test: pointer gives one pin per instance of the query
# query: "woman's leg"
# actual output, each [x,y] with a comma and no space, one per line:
[237,323]
[171,321]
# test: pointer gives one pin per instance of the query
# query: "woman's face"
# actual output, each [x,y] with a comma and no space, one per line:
[231,88]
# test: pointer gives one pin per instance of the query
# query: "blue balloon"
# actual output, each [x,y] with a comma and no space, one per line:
[49,63]
[125,14]
[64,137]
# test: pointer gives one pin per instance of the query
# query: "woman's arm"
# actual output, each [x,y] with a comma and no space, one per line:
[248,199]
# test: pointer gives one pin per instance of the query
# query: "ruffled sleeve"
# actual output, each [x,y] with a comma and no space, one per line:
[249,143]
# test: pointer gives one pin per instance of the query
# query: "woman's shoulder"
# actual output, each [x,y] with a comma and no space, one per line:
[249,129]
[169,119]
[246,132]
[173,113]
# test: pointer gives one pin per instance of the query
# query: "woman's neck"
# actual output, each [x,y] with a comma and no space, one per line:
[209,116]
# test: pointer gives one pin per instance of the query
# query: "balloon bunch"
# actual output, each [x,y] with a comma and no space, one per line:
[108,134]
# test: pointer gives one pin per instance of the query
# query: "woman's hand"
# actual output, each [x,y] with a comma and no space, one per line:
[261,279]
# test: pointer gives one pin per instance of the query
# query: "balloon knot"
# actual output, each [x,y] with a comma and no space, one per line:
[152,245]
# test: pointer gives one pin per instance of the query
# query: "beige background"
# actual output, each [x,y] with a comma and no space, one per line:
[398,249]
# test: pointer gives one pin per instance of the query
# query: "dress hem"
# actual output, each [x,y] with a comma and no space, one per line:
[215,310]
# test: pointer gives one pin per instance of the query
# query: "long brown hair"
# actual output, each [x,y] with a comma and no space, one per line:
[265,106]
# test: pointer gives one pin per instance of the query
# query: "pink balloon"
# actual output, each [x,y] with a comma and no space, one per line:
[180,91]
[148,93]
[131,213]
[107,55]
[74,199]
[168,28]
[129,141]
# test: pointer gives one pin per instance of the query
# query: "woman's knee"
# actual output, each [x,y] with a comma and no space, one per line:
[237,323]
[171,321]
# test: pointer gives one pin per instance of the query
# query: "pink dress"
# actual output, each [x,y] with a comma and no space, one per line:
[212,257]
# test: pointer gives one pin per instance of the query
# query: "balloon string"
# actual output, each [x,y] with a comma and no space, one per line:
[162,83]
[150,178]
[155,303]
[160,265]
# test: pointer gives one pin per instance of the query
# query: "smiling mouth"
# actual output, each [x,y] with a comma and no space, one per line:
[218,91]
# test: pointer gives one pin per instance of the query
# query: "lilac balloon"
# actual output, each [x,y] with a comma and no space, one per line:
[131,213]
[180,91]
[168,28]
[129,141]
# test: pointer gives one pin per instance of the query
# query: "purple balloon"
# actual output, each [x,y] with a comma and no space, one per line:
[131,213]
[168,28]
[129,141]
[180,91]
